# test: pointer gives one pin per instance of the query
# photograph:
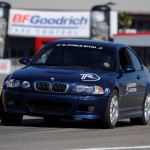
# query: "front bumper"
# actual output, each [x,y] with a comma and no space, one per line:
[61,105]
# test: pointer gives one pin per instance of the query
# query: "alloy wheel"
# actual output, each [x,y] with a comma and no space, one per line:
[114,110]
[147,108]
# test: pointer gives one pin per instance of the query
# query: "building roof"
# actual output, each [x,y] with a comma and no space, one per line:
[132,6]
[134,39]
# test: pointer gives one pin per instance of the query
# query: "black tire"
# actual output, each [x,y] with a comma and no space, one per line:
[11,119]
[51,120]
[1,107]
[145,113]
[136,121]
[110,118]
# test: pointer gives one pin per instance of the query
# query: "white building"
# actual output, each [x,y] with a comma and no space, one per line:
[139,10]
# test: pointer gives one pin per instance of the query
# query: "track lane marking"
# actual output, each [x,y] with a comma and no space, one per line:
[117,148]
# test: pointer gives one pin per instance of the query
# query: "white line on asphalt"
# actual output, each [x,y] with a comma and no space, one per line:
[118,148]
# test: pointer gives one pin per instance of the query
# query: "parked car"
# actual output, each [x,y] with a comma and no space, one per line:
[79,79]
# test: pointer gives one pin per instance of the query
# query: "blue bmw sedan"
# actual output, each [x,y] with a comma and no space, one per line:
[79,79]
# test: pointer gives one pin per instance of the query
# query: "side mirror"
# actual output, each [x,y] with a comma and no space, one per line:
[129,68]
[24,60]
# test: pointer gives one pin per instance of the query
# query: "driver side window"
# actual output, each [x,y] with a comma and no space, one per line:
[124,58]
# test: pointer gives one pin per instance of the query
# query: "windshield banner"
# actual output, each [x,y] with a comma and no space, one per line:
[30,23]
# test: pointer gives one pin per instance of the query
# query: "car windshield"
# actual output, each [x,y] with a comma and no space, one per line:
[95,57]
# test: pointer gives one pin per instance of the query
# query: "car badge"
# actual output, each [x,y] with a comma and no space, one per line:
[52,79]
[89,77]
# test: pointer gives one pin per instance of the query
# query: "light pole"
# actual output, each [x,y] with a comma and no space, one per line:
[100,22]
[5,7]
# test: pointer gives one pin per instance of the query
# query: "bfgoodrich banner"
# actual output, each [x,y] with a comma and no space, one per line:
[31,23]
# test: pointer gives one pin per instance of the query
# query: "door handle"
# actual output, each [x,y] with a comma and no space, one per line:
[138,77]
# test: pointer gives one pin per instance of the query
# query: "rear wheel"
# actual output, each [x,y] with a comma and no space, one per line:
[112,111]
[145,115]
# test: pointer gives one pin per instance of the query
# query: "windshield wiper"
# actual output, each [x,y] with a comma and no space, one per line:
[53,65]
[72,66]
[43,64]
[76,66]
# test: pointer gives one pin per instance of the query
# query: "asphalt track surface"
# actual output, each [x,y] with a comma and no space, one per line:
[35,134]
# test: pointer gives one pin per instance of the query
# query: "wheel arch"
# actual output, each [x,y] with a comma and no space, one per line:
[117,89]
[147,90]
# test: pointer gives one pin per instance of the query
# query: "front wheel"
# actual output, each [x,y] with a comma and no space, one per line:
[10,119]
[112,111]
[145,114]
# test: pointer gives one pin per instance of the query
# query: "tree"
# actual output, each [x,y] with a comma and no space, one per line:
[124,20]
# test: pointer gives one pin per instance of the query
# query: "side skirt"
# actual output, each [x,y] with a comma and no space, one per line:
[132,113]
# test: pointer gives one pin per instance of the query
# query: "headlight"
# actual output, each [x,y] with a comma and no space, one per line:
[84,89]
[18,84]
[25,84]
[10,83]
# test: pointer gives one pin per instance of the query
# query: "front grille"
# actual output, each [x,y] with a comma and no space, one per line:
[49,107]
[46,87]
[42,86]
[59,87]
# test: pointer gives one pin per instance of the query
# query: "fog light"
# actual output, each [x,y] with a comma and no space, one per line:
[78,119]
[11,102]
[91,109]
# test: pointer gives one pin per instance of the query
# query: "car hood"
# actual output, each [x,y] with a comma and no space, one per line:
[61,74]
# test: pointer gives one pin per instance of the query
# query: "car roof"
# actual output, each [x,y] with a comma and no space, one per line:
[89,41]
